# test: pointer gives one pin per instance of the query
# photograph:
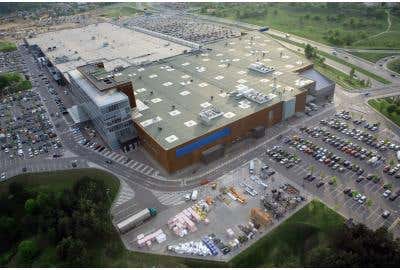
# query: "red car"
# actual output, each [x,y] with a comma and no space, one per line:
[386,168]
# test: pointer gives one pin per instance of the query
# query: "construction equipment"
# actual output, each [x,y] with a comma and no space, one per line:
[239,197]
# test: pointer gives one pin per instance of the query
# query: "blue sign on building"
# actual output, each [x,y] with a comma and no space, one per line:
[202,142]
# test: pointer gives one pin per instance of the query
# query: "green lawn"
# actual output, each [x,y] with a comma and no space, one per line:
[394,65]
[389,107]
[7,46]
[288,244]
[60,180]
[372,56]
[338,24]
[119,10]
[11,82]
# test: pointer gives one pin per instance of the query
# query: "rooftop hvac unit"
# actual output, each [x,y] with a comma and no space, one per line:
[259,67]
[208,114]
[250,94]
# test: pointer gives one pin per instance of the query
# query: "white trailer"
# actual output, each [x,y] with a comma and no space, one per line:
[135,220]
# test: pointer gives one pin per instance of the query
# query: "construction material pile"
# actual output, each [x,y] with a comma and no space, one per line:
[260,217]
[185,221]
[191,248]
[146,240]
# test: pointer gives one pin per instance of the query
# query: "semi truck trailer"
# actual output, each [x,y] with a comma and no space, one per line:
[135,220]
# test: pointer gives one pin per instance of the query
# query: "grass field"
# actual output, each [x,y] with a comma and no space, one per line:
[345,24]
[286,245]
[372,56]
[119,10]
[389,107]
[6,46]
[394,65]
[60,180]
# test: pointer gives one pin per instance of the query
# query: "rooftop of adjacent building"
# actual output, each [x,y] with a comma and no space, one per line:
[114,45]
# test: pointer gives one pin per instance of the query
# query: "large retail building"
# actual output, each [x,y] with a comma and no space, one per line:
[191,106]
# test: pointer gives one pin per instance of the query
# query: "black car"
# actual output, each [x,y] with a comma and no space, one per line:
[347,191]
[320,184]
[108,161]
[360,179]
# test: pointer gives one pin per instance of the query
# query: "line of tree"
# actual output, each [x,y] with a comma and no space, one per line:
[69,221]
[357,246]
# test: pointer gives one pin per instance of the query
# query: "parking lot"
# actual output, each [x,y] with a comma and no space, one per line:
[348,163]
[26,129]
[228,222]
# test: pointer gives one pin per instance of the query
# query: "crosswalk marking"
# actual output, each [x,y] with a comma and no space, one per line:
[126,193]
[144,168]
[133,165]
[148,171]
[118,159]
[140,166]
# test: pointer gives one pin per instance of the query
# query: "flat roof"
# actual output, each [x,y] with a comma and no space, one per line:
[320,80]
[100,98]
[114,45]
[171,93]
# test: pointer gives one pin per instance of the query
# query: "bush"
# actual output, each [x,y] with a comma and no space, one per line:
[27,251]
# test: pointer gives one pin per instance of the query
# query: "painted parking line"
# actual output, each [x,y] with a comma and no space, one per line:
[374,212]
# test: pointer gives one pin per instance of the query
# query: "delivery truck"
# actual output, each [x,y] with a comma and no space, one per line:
[136,219]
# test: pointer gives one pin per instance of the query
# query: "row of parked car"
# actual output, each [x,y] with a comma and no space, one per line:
[344,145]
[323,155]
[283,157]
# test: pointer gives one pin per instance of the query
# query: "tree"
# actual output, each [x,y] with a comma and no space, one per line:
[351,74]
[309,51]
[72,251]
[391,108]
[31,206]
[27,251]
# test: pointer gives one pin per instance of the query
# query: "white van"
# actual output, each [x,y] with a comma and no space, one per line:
[194,195]
[251,167]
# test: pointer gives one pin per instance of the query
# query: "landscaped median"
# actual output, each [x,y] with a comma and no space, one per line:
[394,65]
[388,106]
[11,82]
[7,46]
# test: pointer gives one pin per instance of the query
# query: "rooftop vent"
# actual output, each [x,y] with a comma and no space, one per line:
[206,115]
[251,94]
[259,67]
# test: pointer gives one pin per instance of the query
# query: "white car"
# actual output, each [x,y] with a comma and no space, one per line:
[3,176]
[386,193]
[386,214]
